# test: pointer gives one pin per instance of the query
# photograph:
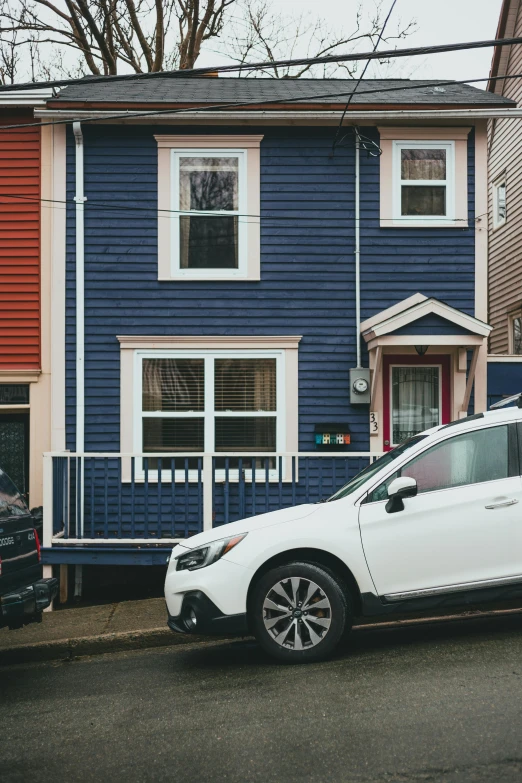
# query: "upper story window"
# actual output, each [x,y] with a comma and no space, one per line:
[424,177]
[499,202]
[210,198]
[424,181]
[208,207]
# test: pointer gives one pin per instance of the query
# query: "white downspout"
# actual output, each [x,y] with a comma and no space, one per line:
[80,293]
[357,252]
[80,332]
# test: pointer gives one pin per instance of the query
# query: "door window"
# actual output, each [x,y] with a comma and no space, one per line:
[470,458]
[14,448]
[415,401]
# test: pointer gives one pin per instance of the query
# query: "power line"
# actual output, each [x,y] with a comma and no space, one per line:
[238,105]
[168,213]
[361,77]
[333,58]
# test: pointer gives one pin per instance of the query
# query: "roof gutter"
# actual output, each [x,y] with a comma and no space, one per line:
[329,115]
[36,97]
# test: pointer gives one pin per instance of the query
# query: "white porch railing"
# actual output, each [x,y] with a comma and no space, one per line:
[162,498]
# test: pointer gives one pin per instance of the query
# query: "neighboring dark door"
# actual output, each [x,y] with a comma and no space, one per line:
[14,448]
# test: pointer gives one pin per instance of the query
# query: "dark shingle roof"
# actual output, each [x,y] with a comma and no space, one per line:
[227,90]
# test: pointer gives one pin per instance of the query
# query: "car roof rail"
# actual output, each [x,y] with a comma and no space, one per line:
[508,401]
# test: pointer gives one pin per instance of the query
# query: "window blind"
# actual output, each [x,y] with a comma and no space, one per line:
[245,385]
[242,405]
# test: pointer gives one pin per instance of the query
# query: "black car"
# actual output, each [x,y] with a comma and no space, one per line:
[23,593]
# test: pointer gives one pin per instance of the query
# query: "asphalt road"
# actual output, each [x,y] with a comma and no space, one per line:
[437,703]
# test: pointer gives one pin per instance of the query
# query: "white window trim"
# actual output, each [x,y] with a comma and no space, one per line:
[133,349]
[448,183]
[423,135]
[511,336]
[497,183]
[390,387]
[248,150]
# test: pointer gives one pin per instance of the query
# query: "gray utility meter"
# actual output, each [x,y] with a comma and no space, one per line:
[360,386]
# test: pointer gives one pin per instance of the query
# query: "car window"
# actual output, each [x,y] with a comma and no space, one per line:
[11,502]
[470,458]
[370,470]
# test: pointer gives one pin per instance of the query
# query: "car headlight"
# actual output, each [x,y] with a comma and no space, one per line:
[206,555]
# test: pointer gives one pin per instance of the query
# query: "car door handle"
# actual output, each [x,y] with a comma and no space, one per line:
[503,503]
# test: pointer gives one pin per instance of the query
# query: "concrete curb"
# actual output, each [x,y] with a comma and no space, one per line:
[67,649]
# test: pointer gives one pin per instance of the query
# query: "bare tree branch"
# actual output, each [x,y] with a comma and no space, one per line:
[266,34]
[147,53]
[108,36]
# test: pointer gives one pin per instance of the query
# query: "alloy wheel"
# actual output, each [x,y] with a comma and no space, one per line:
[297,613]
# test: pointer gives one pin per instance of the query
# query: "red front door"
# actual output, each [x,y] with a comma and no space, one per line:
[416,395]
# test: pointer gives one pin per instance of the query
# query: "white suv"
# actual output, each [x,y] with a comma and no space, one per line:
[435,522]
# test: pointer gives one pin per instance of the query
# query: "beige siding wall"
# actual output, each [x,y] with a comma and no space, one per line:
[505,243]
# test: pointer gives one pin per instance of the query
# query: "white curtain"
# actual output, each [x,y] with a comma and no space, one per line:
[415,401]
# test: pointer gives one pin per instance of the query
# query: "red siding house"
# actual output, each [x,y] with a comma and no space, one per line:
[24,370]
[19,244]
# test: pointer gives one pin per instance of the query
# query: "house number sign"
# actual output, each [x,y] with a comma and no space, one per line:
[374,423]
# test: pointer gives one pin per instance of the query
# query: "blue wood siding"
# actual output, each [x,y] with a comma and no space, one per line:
[431,325]
[307,269]
[504,379]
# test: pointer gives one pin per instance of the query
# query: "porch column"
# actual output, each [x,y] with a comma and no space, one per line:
[375,357]
[481,379]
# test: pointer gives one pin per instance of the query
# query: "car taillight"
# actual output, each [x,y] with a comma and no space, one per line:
[37,544]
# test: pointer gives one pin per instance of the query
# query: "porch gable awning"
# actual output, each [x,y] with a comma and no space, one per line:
[418,315]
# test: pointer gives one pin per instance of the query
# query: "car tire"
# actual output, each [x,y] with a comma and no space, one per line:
[299,612]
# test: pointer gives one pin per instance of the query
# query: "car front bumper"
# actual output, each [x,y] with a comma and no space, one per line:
[200,615]
[26,604]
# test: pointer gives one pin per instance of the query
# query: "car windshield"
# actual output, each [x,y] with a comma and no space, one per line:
[369,471]
[11,502]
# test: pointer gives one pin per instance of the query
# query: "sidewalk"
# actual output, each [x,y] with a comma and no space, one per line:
[66,633]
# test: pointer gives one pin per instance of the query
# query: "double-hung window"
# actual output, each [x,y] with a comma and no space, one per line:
[424,181]
[209,207]
[209,221]
[229,403]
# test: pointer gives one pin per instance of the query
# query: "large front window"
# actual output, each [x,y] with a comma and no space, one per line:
[229,403]
[415,400]
[209,197]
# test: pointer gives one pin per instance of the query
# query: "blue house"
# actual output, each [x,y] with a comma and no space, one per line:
[244,313]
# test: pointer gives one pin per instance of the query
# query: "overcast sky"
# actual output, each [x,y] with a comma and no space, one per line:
[437,22]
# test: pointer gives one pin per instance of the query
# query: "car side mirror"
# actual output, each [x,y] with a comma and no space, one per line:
[402,487]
